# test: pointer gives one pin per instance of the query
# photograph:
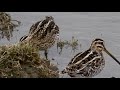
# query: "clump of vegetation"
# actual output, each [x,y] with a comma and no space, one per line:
[23,61]
[7,25]
[61,44]
[65,43]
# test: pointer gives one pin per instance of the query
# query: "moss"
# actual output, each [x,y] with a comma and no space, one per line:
[23,61]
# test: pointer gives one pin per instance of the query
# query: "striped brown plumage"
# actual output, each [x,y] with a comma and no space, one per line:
[89,63]
[42,34]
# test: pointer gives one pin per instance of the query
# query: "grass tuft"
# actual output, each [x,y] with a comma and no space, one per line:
[23,61]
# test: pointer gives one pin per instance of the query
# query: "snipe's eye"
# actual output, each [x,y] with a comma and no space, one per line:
[100,42]
[96,42]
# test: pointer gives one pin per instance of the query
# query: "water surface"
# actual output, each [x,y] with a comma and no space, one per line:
[85,26]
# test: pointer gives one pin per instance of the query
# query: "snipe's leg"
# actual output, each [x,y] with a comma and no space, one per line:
[60,50]
[46,54]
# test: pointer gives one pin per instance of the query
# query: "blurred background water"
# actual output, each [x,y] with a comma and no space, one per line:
[84,26]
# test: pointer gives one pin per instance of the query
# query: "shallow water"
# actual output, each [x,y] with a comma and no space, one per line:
[85,26]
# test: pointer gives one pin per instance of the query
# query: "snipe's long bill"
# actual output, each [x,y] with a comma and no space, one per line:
[111,55]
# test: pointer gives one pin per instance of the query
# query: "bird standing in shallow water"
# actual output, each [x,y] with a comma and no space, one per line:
[89,63]
[43,34]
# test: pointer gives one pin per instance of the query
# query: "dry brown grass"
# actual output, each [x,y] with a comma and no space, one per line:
[7,25]
[23,61]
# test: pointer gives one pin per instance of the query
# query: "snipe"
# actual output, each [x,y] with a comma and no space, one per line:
[43,34]
[89,63]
